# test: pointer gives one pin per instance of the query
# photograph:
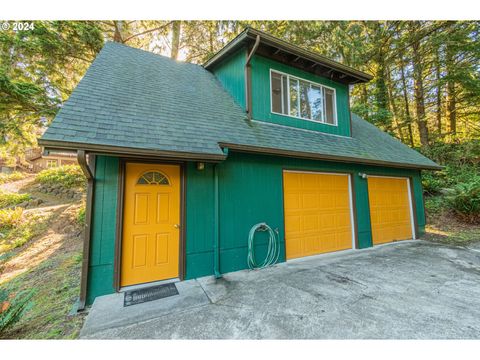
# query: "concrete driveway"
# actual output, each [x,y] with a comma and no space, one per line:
[409,290]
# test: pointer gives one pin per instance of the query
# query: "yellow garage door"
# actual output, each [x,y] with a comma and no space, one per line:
[390,210]
[317,213]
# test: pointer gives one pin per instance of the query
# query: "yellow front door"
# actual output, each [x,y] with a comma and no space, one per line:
[151,223]
[317,213]
[390,213]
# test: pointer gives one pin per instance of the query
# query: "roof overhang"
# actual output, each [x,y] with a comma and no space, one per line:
[325,157]
[121,151]
[183,156]
[286,53]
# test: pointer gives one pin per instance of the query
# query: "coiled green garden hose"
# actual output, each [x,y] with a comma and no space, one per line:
[273,251]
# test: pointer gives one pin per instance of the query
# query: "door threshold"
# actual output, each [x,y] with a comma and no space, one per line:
[149,284]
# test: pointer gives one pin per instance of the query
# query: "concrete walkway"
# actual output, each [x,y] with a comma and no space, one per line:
[409,290]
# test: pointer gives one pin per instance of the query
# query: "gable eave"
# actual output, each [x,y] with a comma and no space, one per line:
[345,74]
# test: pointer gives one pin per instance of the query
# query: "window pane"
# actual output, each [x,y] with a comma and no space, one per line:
[294,97]
[285,94]
[316,103]
[305,111]
[276,84]
[329,106]
[153,178]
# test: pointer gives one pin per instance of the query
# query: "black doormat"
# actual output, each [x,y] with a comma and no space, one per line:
[148,294]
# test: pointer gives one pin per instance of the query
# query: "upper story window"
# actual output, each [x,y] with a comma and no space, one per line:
[303,99]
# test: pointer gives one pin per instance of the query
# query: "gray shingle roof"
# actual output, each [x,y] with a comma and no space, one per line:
[146,103]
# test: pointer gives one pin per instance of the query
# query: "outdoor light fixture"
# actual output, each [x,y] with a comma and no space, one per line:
[200,165]
[362,175]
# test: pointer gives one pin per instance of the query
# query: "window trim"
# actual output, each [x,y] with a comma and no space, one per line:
[50,161]
[154,171]
[335,117]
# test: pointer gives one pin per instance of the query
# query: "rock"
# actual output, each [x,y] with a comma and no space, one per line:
[35,202]
[68,229]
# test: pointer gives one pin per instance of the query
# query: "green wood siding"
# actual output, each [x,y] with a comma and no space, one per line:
[261,109]
[251,191]
[231,74]
[199,221]
[102,246]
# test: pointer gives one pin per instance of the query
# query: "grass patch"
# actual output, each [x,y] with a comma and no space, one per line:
[68,176]
[443,227]
[56,283]
[9,218]
[15,176]
[17,228]
[458,235]
[11,199]
[81,216]
[446,227]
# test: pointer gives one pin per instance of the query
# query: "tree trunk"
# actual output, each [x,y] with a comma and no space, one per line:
[117,36]
[438,79]
[176,30]
[419,90]
[381,92]
[393,106]
[451,95]
[408,118]
[364,99]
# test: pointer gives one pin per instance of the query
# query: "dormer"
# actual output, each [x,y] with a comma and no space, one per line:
[283,84]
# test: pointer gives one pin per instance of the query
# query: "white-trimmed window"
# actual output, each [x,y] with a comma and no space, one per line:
[302,99]
[52,163]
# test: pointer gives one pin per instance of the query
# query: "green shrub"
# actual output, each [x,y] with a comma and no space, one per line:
[432,182]
[4,178]
[457,153]
[434,204]
[81,216]
[10,218]
[461,163]
[10,199]
[68,176]
[464,200]
[449,176]
[12,308]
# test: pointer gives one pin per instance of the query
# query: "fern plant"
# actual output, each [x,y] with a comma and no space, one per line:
[12,308]
[464,200]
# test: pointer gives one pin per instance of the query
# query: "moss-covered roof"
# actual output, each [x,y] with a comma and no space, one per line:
[132,101]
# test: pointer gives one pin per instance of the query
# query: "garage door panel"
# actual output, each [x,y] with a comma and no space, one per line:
[322,221]
[342,220]
[309,200]
[310,222]
[389,209]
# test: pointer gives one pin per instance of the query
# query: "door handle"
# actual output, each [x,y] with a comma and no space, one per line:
[176,226]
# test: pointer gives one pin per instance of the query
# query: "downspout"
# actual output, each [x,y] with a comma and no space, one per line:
[216,228]
[248,80]
[89,171]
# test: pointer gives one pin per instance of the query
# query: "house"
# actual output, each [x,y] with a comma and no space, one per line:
[38,160]
[182,160]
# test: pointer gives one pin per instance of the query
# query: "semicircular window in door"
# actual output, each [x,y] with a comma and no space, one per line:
[153,178]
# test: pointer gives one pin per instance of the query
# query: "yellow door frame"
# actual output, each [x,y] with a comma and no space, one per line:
[119,216]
